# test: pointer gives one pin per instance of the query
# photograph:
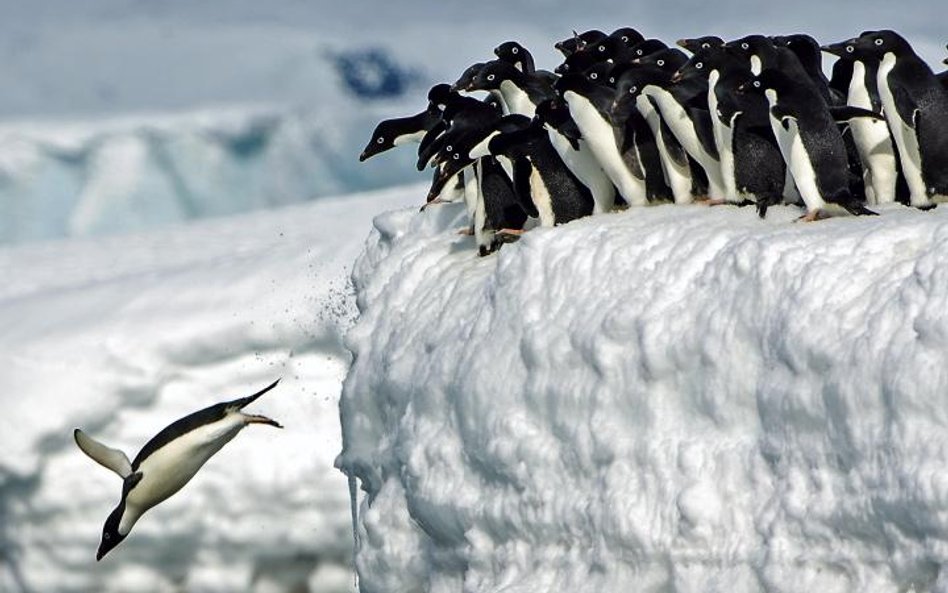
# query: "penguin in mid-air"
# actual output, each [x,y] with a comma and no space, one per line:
[168,461]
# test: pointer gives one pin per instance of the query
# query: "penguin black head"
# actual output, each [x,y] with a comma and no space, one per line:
[579,41]
[627,35]
[608,48]
[441,95]
[467,77]
[669,59]
[491,75]
[553,112]
[577,63]
[878,43]
[630,84]
[387,132]
[110,532]
[599,73]
[805,47]
[510,51]
[750,45]
[696,44]
[770,78]
[706,60]
[648,47]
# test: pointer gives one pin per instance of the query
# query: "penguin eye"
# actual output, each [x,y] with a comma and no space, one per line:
[593,76]
[638,52]
[625,39]
[105,536]
[879,41]
[756,84]
[745,45]
[514,50]
[602,48]
[381,140]
[612,80]
[699,65]
[850,49]
[705,45]
[633,89]
[455,156]
[661,62]
[490,77]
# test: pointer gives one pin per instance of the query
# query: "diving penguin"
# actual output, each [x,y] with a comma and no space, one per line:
[168,461]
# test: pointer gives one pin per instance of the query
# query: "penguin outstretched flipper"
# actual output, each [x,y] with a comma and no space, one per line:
[107,457]
[844,113]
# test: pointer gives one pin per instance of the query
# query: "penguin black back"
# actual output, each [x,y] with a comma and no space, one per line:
[193,421]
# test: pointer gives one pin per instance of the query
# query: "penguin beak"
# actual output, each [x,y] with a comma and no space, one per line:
[683,43]
[676,77]
[258,419]
[837,49]
[364,156]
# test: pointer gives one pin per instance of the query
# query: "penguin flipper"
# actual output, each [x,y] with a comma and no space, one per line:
[906,106]
[844,113]
[783,115]
[107,457]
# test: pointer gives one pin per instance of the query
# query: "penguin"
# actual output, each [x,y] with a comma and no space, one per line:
[520,92]
[590,107]
[916,108]
[168,461]
[460,114]
[638,146]
[540,174]
[627,35]
[569,143]
[579,41]
[497,205]
[749,155]
[807,51]
[674,159]
[809,141]
[696,44]
[873,140]
[390,133]
[683,107]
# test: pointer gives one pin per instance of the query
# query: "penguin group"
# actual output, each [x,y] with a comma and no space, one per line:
[628,121]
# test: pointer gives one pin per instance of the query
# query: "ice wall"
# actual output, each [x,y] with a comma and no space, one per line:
[666,399]
[120,175]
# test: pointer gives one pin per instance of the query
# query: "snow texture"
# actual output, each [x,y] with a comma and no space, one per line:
[121,336]
[674,398]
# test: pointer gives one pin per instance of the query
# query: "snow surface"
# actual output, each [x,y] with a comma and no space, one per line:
[674,398]
[121,336]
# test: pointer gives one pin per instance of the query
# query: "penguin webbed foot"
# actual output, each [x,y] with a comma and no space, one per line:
[927,207]
[466,231]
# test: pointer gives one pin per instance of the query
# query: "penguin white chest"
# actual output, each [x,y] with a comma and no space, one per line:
[903,134]
[169,468]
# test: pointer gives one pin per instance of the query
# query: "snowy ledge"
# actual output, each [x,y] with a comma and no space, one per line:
[675,398]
